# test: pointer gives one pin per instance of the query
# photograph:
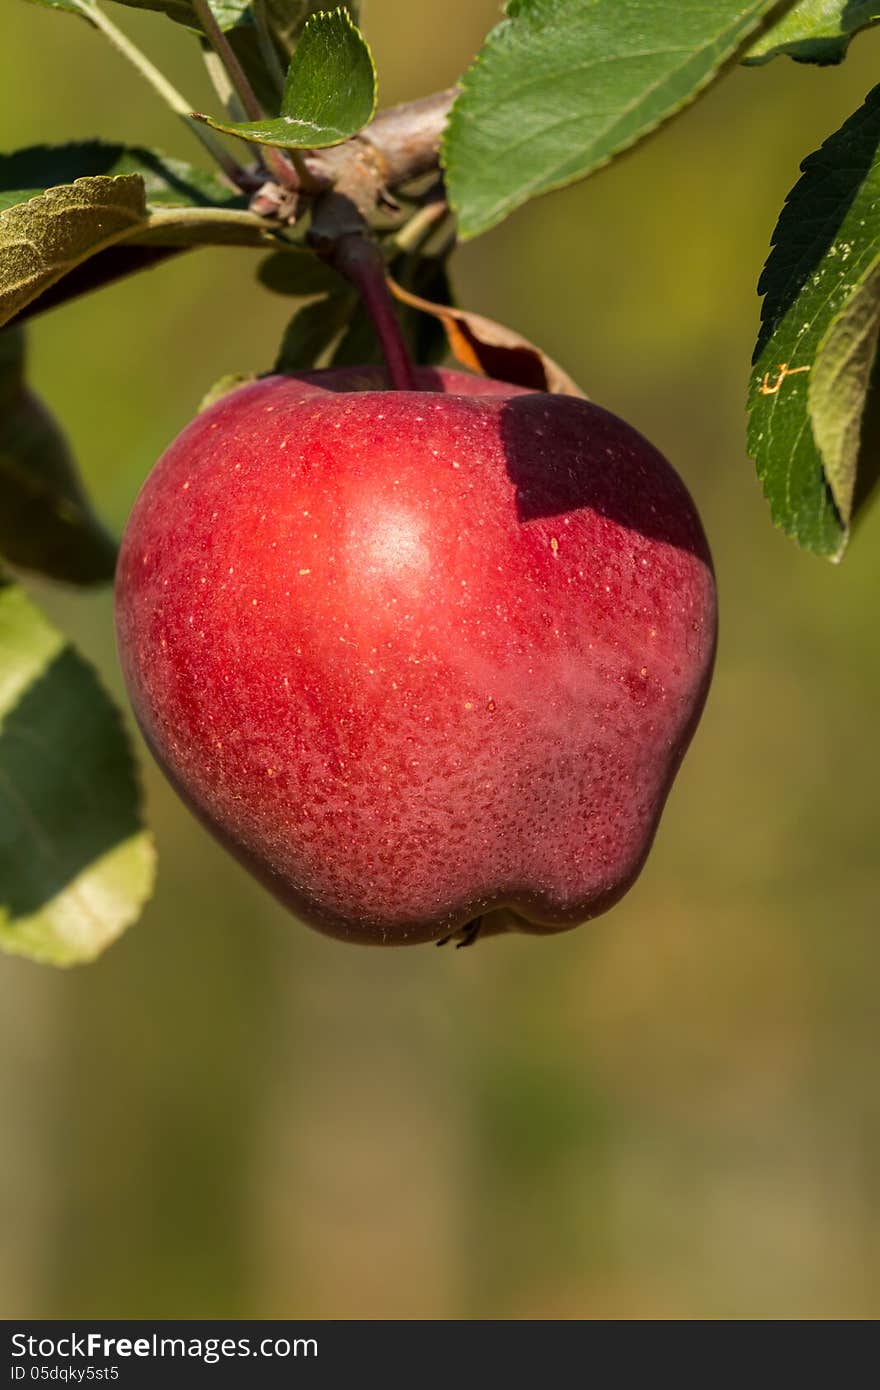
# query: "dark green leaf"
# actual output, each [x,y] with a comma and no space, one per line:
[46,523]
[312,330]
[331,81]
[561,86]
[815,352]
[358,346]
[26,173]
[814,31]
[299,272]
[76,863]
[329,94]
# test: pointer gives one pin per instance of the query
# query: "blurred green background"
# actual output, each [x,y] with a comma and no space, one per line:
[673,1112]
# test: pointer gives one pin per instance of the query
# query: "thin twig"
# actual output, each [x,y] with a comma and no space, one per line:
[401,144]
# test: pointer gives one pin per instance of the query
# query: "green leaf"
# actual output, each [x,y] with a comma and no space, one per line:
[562,86]
[41,240]
[28,172]
[329,94]
[330,89]
[838,388]
[312,329]
[814,31]
[46,523]
[273,25]
[227,13]
[816,349]
[76,863]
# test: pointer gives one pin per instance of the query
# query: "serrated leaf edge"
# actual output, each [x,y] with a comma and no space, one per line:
[504,208]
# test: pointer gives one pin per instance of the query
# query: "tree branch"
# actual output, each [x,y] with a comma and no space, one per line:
[409,135]
[399,145]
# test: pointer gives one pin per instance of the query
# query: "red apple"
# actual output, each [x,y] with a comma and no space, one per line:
[419,657]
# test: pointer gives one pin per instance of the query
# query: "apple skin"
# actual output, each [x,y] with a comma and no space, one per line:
[418,658]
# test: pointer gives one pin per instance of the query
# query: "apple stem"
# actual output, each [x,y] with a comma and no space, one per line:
[357,257]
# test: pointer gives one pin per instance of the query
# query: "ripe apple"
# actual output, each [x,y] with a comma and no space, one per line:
[419,658]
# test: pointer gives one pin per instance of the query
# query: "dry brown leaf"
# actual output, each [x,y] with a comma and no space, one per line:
[488,347]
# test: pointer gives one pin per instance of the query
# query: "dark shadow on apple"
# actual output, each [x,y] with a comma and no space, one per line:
[66,784]
[563,453]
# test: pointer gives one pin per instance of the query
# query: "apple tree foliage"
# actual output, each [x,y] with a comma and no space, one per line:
[561,87]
